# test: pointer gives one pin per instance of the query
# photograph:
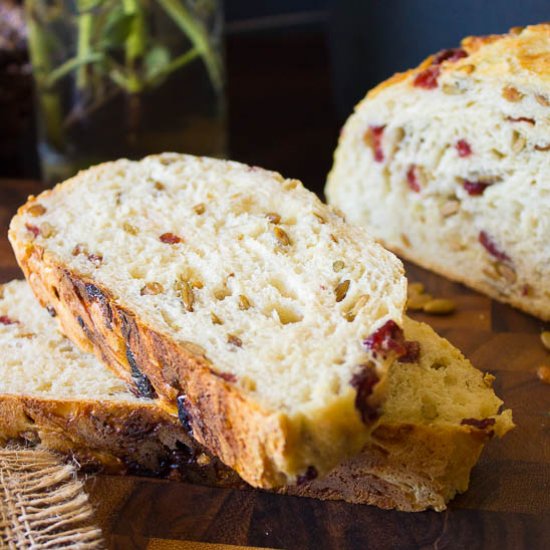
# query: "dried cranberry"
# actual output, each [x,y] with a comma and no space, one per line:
[389,337]
[310,474]
[373,138]
[479,424]
[170,238]
[475,187]
[492,248]
[412,179]
[33,229]
[5,320]
[463,147]
[412,354]
[364,382]
[452,54]
[427,78]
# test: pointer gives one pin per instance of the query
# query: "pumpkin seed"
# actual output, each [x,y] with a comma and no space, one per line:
[439,306]
[281,236]
[151,289]
[36,210]
[338,265]
[341,290]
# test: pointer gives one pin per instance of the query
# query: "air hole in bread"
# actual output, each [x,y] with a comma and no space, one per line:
[169,320]
[286,314]
[282,289]
[221,293]
[55,292]
[45,387]
[137,272]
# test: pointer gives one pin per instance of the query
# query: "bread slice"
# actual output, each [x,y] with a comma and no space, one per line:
[438,414]
[228,291]
[448,163]
[54,395]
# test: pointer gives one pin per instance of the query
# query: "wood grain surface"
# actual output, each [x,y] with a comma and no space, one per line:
[506,507]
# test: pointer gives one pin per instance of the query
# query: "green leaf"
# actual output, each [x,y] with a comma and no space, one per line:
[87,5]
[117,29]
[157,60]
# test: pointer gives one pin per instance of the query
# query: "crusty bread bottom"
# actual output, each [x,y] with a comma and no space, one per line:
[476,284]
[116,437]
[410,468]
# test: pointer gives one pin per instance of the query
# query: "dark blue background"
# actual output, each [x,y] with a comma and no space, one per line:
[371,39]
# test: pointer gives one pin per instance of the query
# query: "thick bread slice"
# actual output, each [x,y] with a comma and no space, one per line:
[449,165]
[225,289]
[418,456]
[54,395]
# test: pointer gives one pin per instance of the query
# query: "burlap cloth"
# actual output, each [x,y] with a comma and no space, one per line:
[43,504]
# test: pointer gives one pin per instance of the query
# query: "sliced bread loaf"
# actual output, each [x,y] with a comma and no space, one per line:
[233,294]
[437,416]
[448,165]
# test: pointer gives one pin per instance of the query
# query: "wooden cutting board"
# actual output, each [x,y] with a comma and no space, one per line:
[506,507]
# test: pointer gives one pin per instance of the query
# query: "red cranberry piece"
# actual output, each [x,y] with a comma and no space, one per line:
[5,320]
[310,473]
[427,78]
[412,179]
[373,138]
[33,229]
[492,248]
[463,148]
[452,54]
[479,424]
[364,382]
[412,354]
[170,238]
[475,187]
[389,337]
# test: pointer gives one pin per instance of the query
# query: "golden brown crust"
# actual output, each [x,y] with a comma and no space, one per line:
[526,45]
[405,466]
[410,468]
[114,436]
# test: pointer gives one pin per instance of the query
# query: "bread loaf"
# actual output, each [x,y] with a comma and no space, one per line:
[448,165]
[235,295]
[438,414]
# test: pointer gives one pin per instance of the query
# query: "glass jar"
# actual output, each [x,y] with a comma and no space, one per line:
[125,78]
